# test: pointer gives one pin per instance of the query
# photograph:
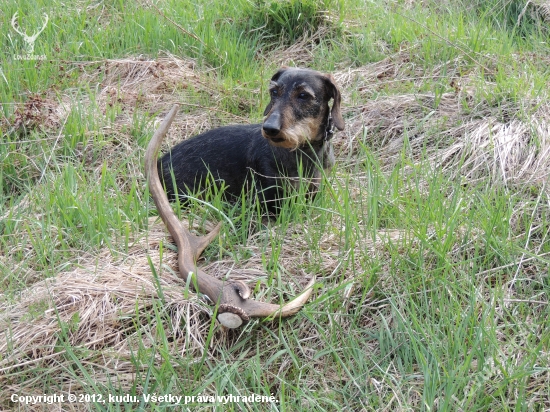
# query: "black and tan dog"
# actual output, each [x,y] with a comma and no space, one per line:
[291,144]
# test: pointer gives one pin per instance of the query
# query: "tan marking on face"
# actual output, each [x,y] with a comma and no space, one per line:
[300,133]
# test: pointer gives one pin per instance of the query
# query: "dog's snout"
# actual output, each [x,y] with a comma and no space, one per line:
[271,130]
[272,125]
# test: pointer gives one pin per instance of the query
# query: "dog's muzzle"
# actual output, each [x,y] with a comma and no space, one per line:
[272,127]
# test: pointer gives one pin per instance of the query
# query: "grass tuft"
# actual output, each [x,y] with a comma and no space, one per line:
[287,21]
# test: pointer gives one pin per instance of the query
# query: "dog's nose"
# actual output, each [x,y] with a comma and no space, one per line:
[271,131]
[272,125]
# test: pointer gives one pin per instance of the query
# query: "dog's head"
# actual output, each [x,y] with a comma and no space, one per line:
[299,108]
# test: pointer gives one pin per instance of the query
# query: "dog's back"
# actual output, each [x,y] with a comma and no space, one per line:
[220,152]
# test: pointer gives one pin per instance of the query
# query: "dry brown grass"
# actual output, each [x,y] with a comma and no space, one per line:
[455,131]
[152,86]
[301,53]
[98,306]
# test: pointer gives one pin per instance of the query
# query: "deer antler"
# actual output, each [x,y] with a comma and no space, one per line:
[232,296]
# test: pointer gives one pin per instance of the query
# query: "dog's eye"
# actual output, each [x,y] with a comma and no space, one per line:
[303,96]
[274,92]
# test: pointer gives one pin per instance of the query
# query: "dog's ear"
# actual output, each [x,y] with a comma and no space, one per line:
[335,112]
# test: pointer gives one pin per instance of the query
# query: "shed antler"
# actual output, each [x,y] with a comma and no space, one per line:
[232,296]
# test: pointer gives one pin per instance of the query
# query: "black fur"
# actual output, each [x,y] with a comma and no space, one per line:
[244,158]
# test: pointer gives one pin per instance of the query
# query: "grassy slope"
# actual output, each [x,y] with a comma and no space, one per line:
[433,263]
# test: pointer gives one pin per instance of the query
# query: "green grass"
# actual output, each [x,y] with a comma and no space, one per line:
[433,285]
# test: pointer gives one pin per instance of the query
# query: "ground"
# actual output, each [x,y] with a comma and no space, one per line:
[429,238]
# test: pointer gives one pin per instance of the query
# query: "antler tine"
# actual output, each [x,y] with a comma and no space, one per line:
[232,297]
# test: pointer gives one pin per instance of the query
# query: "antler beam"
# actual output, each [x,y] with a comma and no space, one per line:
[231,296]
